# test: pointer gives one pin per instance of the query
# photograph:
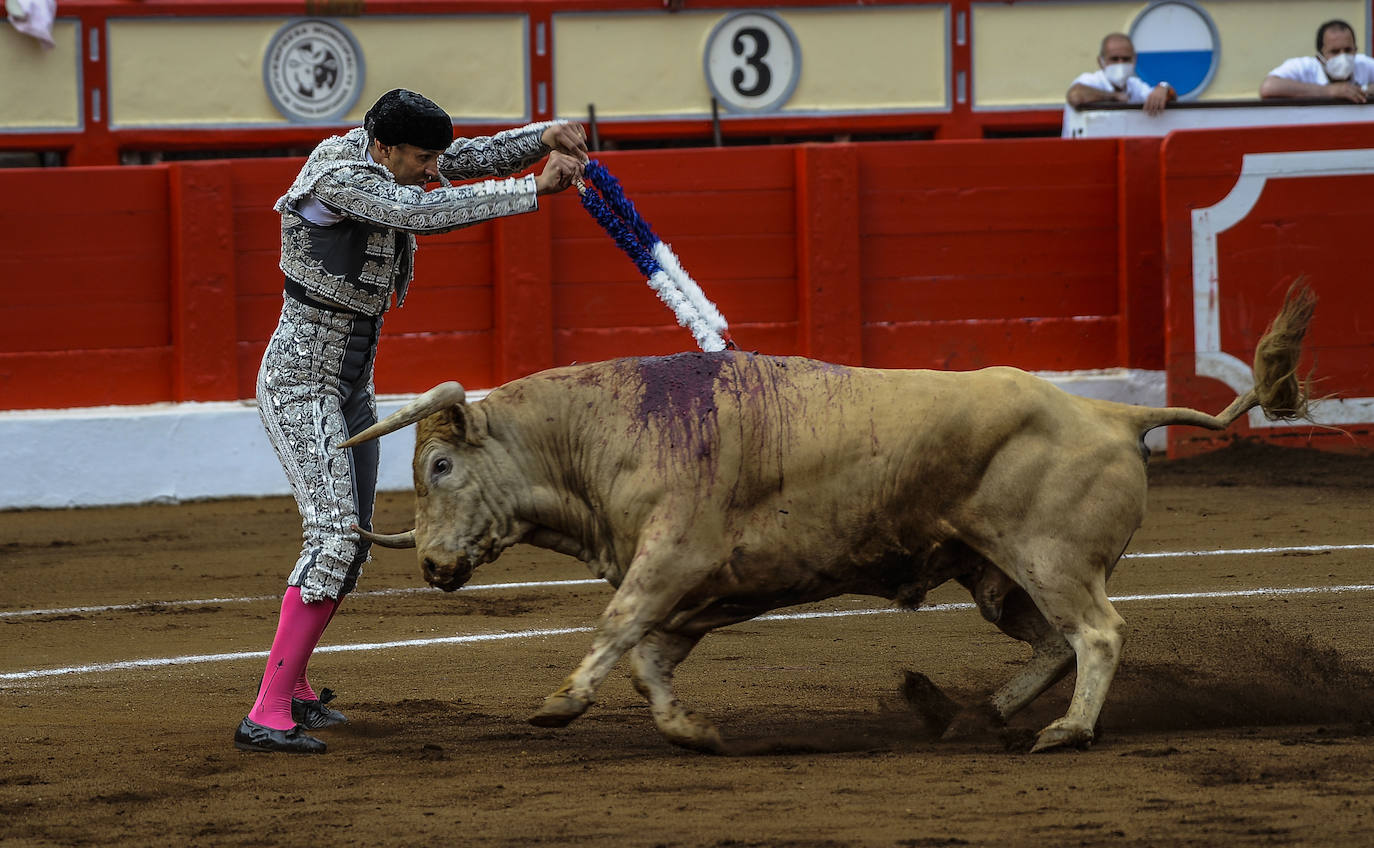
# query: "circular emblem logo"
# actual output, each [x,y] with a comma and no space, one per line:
[752,62]
[313,71]
[1176,42]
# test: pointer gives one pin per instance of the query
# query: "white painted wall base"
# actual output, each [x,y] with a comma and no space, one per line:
[168,453]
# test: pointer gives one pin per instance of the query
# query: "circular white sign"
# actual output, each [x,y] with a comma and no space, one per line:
[313,71]
[752,62]
[1176,42]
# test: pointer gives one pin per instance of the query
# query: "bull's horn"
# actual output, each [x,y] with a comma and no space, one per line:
[440,397]
[388,540]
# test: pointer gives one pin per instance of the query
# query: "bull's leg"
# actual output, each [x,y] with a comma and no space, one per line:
[1084,615]
[1050,658]
[1052,655]
[652,662]
[652,587]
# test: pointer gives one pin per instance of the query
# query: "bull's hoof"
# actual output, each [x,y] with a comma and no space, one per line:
[710,743]
[973,723]
[559,710]
[935,708]
[1061,734]
[691,731]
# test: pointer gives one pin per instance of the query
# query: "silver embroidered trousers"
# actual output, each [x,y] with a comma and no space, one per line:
[314,391]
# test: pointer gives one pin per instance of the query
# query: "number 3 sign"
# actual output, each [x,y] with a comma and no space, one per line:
[752,62]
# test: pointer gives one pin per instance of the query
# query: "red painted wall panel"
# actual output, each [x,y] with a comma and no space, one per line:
[76,378]
[1046,294]
[1022,231]
[85,264]
[1303,217]
[1051,344]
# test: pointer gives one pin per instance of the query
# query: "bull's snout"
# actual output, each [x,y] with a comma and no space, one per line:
[446,577]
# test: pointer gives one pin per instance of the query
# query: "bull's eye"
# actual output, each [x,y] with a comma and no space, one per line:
[442,466]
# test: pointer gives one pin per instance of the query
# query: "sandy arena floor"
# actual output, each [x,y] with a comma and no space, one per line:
[1236,719]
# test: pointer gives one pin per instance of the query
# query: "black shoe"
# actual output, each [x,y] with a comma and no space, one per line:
[314,715]
[252,736]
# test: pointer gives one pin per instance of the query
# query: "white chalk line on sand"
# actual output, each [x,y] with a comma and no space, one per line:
[540,584]
[157,662]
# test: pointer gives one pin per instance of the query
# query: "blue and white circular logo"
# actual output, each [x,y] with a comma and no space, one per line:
[313,71]
[1176,42]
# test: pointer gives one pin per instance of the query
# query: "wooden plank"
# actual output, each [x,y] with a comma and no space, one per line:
[204,363]
[522,302]
[1050,162]
[1008,253]
[1042,295]
[259,182]
[415,363]
[257,229]
[1053,209]
[1207,153]
[699,169]
[48,192]
[255,318]
[76,378]
[1049,344]
[828,233]
[258,273]
[248,355]
[700,213]
[632,303]
[1140,255]
[84,326]
[592,345]
[104,235]
[720,257]
[442,310]
[85,279]
[466,263]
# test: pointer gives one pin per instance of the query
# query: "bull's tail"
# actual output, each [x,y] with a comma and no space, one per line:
[1278,390]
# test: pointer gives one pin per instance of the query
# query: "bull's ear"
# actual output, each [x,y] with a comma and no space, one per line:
[475,430]
[466,423]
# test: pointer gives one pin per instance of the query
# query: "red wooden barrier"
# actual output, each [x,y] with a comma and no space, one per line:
[162,283]
[87,301]
[1249,211]
[990,253]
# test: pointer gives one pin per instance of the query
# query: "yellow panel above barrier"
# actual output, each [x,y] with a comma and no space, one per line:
[237,72]
[821,61]
[40,87]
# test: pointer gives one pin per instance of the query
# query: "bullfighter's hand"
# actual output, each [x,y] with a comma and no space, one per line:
[560,171]
[567,137]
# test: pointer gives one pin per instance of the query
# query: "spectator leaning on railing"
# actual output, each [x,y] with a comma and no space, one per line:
[1338,71]
[1115,80]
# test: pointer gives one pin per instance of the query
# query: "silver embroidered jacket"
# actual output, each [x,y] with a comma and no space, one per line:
[360,261]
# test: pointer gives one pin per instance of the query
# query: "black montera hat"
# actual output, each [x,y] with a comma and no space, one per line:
[404,117]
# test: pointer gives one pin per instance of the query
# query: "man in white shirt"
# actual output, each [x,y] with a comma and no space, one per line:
[1338,71]
[1115,80]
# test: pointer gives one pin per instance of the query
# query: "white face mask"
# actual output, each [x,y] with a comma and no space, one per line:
[1340,66]
[1118,73]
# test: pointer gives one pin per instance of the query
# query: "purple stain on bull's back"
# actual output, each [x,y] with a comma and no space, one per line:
[678,386]
[680,399]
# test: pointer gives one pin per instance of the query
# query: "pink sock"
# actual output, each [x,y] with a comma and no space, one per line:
[303,689]
[298,631]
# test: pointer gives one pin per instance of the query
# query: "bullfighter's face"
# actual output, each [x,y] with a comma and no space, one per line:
[410,165]
[462,519]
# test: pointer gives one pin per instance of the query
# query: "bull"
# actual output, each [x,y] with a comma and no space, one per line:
[711,488]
